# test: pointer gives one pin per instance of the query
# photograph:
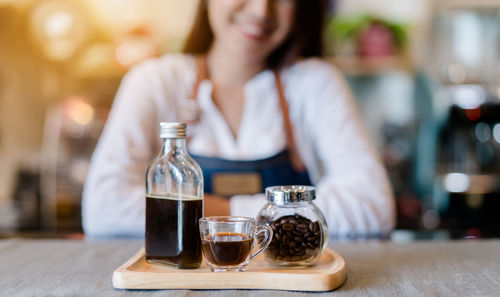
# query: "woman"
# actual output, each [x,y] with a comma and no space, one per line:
[264,105]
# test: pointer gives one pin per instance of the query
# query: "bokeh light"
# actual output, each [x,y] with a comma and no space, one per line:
[79,111]
[456,182]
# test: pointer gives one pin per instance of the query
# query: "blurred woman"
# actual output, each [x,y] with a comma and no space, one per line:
[261,104]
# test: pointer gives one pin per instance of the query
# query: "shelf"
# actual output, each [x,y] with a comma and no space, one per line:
[471,4]
[371,66]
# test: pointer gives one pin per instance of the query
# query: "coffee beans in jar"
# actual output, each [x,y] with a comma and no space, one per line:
[299,229]
[295,238]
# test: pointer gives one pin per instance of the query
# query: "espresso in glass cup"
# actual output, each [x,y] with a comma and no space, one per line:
[228,242]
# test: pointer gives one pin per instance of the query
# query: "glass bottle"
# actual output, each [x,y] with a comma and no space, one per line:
[174,202]
[300,233]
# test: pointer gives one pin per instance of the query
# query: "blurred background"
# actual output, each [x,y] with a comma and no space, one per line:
[426,74]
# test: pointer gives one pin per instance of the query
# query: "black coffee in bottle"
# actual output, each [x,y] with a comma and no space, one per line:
[174,202]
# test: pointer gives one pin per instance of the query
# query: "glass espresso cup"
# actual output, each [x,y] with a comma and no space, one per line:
[228,242]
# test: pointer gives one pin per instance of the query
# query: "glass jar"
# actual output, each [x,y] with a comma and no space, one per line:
[299,227]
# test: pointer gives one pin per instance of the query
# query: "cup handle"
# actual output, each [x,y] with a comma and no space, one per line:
[264,243]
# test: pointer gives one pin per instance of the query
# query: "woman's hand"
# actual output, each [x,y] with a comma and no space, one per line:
[216,205]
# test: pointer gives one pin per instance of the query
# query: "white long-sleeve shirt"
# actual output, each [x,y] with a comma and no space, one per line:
[352,187]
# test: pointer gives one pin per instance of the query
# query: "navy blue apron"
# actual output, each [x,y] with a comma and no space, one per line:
[252,177]
[273,171]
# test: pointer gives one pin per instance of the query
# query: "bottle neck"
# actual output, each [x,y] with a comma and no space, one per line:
[173,144]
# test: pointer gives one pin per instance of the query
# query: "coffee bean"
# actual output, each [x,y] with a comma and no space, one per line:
[287,227]
[311,238]
[302,226]
[295,238]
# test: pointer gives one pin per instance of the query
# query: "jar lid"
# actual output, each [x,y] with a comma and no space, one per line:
[286,194]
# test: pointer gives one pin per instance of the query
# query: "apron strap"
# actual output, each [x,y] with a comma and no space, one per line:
[297,164]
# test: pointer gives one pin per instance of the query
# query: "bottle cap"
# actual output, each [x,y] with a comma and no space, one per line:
[286,194]
[173,130]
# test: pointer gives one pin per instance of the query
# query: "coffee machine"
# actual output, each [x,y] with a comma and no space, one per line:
[466,105]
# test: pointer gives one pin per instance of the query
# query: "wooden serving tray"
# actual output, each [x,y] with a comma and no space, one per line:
[328,274]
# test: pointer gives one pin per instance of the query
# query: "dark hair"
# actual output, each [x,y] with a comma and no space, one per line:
[305,40]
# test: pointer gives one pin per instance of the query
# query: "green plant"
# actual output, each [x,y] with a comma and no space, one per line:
[345,29]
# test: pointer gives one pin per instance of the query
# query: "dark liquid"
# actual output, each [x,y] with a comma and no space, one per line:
[172,231]
[226,248]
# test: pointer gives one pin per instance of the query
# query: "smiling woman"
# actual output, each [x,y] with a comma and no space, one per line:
[263,110]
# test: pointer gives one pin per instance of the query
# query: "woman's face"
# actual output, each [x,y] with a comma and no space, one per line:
[251,29]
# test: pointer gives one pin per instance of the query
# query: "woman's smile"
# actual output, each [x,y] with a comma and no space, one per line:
[252,30]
